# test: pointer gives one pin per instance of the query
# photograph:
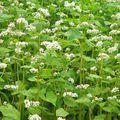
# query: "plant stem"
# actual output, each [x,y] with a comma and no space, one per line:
[100,73]
[81,63]
[2,73]
[90,114]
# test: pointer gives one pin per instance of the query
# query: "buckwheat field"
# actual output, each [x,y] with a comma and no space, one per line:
[59,60]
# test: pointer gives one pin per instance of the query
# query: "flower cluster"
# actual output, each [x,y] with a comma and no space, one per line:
[52,45]
[71,80]
[73,6]
[34,70]
[3,65]
[34,117]
[69,56]
[11,87]
[60,118]
[82,86]
[97,99]
[19,46]
[22,21]
[70,94]
[28,103]
[115,89]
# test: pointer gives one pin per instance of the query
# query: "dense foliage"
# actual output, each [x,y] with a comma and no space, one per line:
[59,60]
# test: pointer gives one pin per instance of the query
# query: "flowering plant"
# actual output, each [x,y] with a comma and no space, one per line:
[59,60]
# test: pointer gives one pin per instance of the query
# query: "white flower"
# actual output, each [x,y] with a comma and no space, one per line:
[97,99]
[67,50]
[52,45]
[105,37]
[114,32]
[78,9]
[17,33]
[57,23]
[93,31]
[112,49]
[85,24]
[103,56]
[18,50]
[27,103]
[31,28]
[34,117]
[82,86]
[44,11]
[99,44]
[109,78]
[21,44]
[60,118]
[115,89]
[72,24]
[62,14]
[55,74]
[71,80]
[117,56]
[34,59]
[69,56]
[70,94]
[22,21]
[37,15]
[46,31]
[116,16]
[69,5]
[94,68]
[5,103]
[3,65]
[7,87]
[34,70]
[91,15]
[113,25]
[65,28]
[35,103]
[14,87]
[89,95]
[112,98]
[11,25]
[41,50]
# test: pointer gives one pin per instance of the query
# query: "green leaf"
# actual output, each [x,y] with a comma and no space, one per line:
[111,108]
[10,113]
[5,17]
[1,80]
[88,59]
[73,34]
[83,100]
[51,97]
[61,112]
[95,76]
[4,50]
[99,117]
[32,79]
[70,102]
[89,44]
[46,73]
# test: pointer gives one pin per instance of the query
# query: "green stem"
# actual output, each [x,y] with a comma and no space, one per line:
[81,63]
[2,73]
[4,95]
[90,118]
[100,73]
